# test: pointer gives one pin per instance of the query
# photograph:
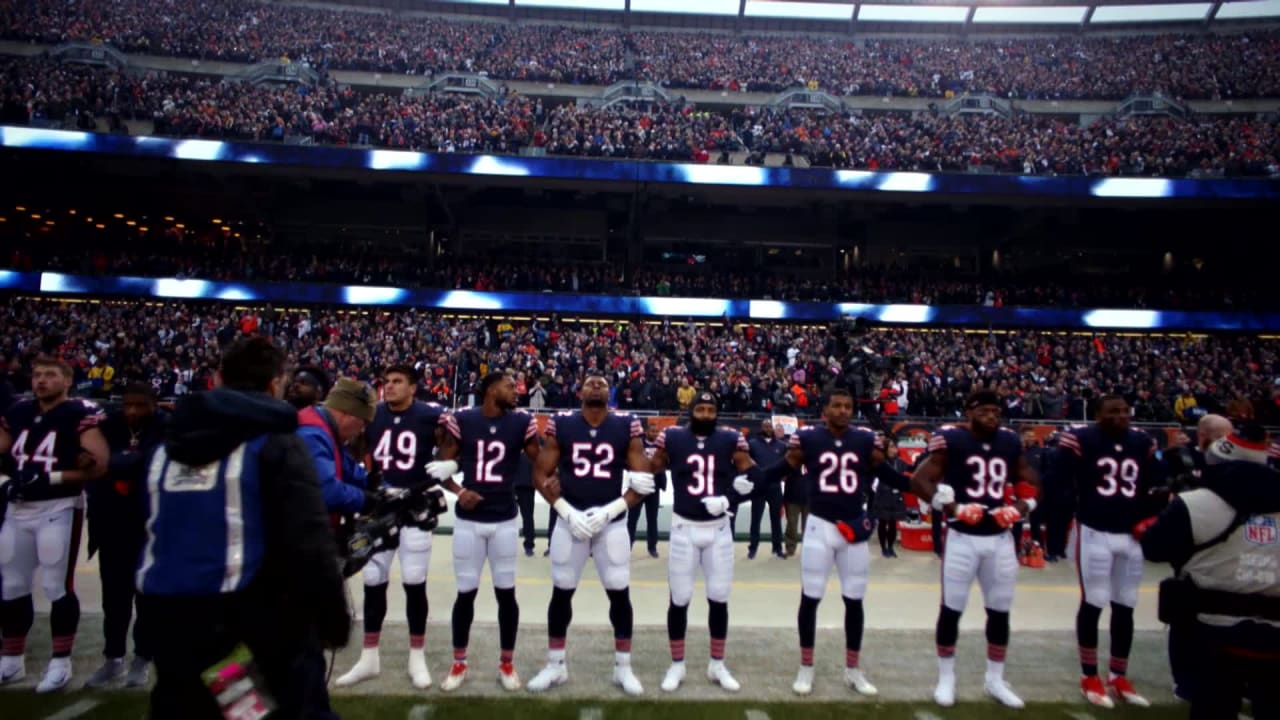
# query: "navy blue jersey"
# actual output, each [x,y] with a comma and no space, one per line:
[489,452]
[979,470]
[50,440]
[700,467]
[592,459]
[1111,476]
[402,443]
[837,470]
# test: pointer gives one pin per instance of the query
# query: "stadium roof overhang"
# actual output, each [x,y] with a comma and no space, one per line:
[877,16]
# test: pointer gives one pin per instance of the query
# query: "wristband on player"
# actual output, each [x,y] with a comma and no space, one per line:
[563,508]
[55,477]
[615,509]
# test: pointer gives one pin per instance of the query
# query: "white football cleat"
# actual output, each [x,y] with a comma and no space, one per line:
[507,677]
[945,693]
[854,678]
[675,675]
[419,675]
[720,675]
[1003,694]
[12,669]
[804,681]
[367,667]
[56,676]
[549,677]
[457,674]
[624,678]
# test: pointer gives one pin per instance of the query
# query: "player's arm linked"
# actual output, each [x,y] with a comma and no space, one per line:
[544,480]
[749,474]
[640,474]
[445,466]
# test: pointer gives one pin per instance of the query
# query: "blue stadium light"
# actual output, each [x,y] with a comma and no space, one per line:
[178,288]
[1134,188]
[906,182]
[587,170]
[1122,319]
[25,137]
[587,305]
[684,307]
[725,175]
[370,295]
[906,314]
[471,300]
[491,165]
[396,160]
[767,310]
[207,150]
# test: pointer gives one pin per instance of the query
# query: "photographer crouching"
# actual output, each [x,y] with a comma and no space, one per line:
[1222,540]
[239,578]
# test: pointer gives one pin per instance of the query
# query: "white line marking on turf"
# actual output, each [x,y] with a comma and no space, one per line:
[1074,715]
[757,715]
[74,710]
[926,715]
[591,713]
[421,712]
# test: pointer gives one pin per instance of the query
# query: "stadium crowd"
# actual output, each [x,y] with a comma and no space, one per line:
[43,91]
[654,365]
[213,255]
[1181,65]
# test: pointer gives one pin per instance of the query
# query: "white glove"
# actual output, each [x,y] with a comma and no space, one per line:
[442,470]
[583,524]
[943,496]
[716,505]
[641,482]
[742,485]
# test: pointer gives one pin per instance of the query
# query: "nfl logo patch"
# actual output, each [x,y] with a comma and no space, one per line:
[839,443]
[397,421]
[986,447]
[1260,530]
[1119,448]
[493,429]
[592,433]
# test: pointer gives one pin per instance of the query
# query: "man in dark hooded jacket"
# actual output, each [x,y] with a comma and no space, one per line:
[238,550]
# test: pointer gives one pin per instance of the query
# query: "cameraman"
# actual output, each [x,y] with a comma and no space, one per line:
[238,551]
[1221,539]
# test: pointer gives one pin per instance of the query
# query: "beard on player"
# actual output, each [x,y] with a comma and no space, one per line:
[595,392]
[702,415]
[983,410]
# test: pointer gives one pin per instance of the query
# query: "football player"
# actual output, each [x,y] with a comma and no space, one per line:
[708,465]
[484,444]
[841,464]
[1109,465]
[403,437]
[51,446]
[580,472]
[967,477]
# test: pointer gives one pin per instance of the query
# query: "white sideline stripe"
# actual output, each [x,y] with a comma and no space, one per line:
[74,710]
[926,715]
[757,715]
[421,712]
[591,713]
[1075,715]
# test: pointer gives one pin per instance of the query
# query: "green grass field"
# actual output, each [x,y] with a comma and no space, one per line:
[132,706]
